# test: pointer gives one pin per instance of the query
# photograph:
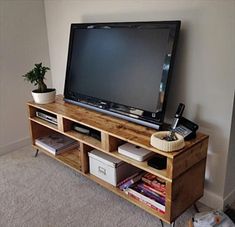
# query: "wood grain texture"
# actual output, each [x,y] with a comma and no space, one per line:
[110,143]
[60,123]
[32,112]
[187,159]
[38,130]
[67,124]
[122,129]
[183,167]
[44,123]
[84,139]
[142,165]
[69,158]
[128,198]
[84,157]
[187,189]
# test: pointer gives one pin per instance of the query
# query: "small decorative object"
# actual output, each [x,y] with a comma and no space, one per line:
[36,76]
[211,218]
[167,141]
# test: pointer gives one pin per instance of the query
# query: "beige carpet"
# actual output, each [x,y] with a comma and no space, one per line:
[42,192]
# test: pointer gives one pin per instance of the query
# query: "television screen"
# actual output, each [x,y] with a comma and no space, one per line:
[122,68]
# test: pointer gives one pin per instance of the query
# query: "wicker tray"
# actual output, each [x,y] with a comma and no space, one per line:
[164,145]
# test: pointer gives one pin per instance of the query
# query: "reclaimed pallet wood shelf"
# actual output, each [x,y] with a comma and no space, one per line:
[183,167]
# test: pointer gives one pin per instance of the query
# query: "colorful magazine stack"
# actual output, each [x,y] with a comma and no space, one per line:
[157,184]
[147,188]
[56,143]
[123,185]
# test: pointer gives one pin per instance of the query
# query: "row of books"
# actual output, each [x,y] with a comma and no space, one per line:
[156,183]
[147,188]
[56,143]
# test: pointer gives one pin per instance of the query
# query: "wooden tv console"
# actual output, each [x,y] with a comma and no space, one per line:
[185,172]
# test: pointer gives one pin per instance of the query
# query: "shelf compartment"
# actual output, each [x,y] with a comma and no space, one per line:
[122,194]
[111,147]
[69,158]
[110,143]
[44,123]
[69,124]
[39,130]
[84,139]
[142,165]
[68,129]
[44,115]
[183,166]
[191,183]
[126,131]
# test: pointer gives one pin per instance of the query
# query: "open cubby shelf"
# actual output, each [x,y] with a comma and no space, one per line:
[183,167]
[69,158]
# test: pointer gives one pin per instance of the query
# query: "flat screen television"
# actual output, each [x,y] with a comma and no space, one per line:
[122,69]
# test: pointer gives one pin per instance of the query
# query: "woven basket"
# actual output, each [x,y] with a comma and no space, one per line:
[164,145]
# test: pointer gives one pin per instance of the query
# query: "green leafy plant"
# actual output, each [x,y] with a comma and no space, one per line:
[36,76]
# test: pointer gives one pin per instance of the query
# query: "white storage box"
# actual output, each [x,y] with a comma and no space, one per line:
[134,152]
[108,168]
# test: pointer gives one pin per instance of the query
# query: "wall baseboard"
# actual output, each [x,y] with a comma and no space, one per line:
[230,198]
[15,145]
[212,200]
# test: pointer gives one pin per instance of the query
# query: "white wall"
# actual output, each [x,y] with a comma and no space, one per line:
[229,192]
[23,42]
[204,70]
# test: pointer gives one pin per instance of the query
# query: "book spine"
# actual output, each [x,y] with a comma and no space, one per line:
[151,190]
[127,179]
[130,182]
[126,184]
[160,192]
[157,186]
[148,204]
[45,147]
[152,178]
[146,200]
[150,194]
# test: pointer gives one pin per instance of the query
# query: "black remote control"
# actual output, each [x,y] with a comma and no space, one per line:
[178,115]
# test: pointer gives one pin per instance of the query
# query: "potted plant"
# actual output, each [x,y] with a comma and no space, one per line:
[36,76]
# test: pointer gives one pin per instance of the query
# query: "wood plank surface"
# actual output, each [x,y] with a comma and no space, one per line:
[88,140]
[142,165]
[185,170]
[38,130]
[44,123]
[128,198]
[187,189]
[70,158]
[84,157]
[60,123]
[110,143]
[122,129]
[187,159]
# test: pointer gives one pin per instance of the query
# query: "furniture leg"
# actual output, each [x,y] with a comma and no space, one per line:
[162,223]
[36,154]
[196,208]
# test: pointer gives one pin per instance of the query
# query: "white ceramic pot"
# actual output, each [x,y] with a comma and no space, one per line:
[44,98]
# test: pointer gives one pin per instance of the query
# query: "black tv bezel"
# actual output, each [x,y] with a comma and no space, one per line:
[143,117]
